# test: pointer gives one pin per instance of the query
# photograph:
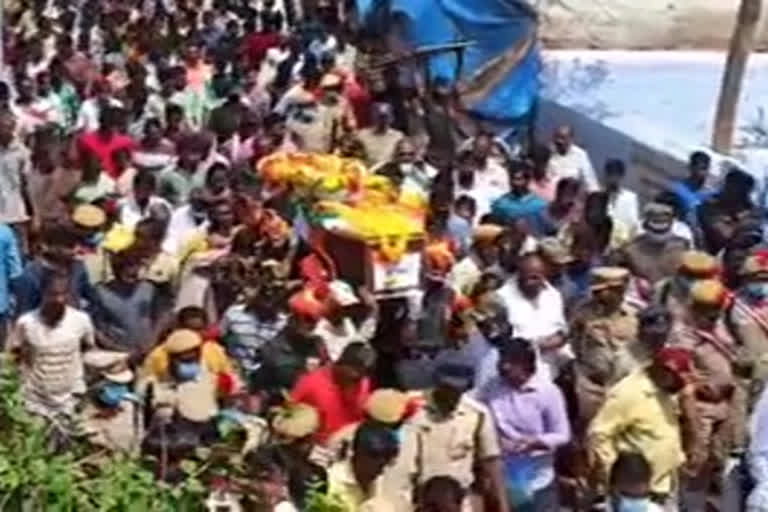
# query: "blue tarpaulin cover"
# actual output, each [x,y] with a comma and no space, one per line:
[505,36]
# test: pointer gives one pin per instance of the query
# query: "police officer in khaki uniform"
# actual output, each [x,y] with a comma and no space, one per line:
[187,390]
[719,406]
[747,316]
[293,428]
[455,436]
[601,327]
[390,408]
[113,418]
[747,321]
[673,293]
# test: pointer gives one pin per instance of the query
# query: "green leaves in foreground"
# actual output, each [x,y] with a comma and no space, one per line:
[35,476]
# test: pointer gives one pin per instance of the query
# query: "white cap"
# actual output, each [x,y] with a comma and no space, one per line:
[343,294]
[112,365]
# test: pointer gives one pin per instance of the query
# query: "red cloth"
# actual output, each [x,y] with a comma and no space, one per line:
[104,149]
[226,383]
[676,359]
[305,303]
[256,45]
[314,270]
[359,99]
[337,408]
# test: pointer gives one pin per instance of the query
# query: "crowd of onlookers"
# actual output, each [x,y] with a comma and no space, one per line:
[569,345]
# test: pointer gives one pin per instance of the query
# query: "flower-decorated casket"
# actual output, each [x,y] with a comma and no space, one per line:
[372,231]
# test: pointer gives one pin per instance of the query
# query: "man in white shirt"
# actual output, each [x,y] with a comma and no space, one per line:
[623,204]
[142,201]
[336,329]
[570,161]
[185,221]
[49,344]
[536,312]
[90,109]
[489,173]
[480,176]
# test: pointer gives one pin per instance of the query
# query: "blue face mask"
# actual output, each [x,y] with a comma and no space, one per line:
[94,240]
[400,436]
[757,291]
[625,504]
[186,371]
[112,393]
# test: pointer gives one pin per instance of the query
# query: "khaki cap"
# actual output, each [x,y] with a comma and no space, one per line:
[608,277]
[486,234]
[296,421]
[698,264]
[89,216]
[387,405]
[182,340]
[709,292]
[555,251]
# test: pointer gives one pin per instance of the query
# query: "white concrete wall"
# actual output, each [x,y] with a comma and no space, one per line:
[633,24]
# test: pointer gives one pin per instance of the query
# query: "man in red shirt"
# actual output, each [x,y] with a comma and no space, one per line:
[255,45]
[105,142]
[338,391]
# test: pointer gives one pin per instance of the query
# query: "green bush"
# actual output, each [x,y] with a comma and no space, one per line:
[35,478]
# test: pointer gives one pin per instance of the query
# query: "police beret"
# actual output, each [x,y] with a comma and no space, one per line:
[608,277]
[387,405]
[296,421]
[554,250]
[698,264]
[485,234]
[89,216]
[182,340]
[709,292]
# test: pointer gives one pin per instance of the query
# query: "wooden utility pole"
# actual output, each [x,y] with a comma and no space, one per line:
[742,42]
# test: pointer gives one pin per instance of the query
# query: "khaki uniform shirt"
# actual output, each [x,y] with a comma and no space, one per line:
[719,416]
[430,446]
[596,339]
[195,400]
[452,445]
[744,320]
[714,367]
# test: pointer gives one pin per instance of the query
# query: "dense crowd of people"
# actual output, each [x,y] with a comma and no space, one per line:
[569,347]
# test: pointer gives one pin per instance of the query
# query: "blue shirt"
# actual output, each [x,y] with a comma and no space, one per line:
[29,293]
[509,208]
[461,231]
[690,199]
[10,266]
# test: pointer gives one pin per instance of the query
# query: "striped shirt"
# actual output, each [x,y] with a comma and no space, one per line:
[245,334]
[52,372]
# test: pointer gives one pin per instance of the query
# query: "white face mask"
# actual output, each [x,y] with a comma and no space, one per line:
[407,168]
[625,504]
[659,237]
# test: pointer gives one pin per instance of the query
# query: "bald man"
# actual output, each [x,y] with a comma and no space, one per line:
[380,140]
[570,161]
